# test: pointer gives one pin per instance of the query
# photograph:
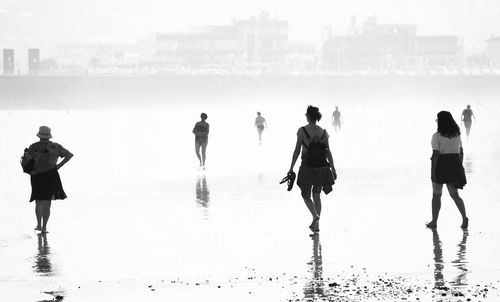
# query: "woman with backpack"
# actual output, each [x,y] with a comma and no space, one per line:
[317,171]
[45,181]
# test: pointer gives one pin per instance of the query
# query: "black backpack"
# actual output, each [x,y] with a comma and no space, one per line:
[27,162]
[316,152]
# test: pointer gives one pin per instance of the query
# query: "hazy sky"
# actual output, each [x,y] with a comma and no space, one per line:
[61,21]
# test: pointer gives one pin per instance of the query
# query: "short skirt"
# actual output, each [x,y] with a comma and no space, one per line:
[449,169]
[317,178]
[47,186]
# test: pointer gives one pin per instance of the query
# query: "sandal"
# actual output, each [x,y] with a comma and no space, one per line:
[289,179]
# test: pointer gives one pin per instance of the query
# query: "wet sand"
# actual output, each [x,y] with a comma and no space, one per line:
[155,228]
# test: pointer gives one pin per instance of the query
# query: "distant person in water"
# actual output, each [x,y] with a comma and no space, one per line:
[337,119]
[260,123]
[467,116]
[317,171]
[446,166]
[45,181]
[201,130]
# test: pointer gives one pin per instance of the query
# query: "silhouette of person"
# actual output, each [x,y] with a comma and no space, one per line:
[314,171]
[45,180]
[467,116]
[460,263]
[260,123]
[337,119]
[314,288]
[201,130]
[42,260]
[446,166]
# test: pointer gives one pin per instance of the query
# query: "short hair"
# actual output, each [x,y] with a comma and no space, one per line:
[313,113]
[258,112]
[204,116]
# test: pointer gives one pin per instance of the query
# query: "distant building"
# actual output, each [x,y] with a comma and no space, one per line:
[386,47]
[493,51]
[252,41]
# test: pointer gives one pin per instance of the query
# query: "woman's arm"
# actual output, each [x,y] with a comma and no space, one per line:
[434,158]
[64,161]
[296,152]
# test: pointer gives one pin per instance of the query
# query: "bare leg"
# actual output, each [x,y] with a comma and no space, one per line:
[317,206]
[459,203]
[197,146]
[311,207]
[38,213]
[436,204]
[46,214]
[204,153]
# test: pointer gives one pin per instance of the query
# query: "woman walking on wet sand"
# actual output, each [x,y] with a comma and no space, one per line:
[446,166]
[317,171]
[200,131]
[45,181]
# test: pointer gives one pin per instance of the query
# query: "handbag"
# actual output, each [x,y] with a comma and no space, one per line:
[27,162]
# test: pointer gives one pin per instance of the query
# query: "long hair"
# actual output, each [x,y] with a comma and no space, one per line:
[447,126]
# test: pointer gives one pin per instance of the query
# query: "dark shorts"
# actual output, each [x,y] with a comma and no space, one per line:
[314,179]
[200,141]
[46,186]
[260,128]
[449,169]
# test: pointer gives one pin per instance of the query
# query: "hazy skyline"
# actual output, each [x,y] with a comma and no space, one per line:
[39,23]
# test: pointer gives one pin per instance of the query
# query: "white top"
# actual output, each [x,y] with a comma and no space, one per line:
[446,145]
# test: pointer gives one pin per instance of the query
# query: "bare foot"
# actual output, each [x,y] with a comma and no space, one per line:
[38,228]
[465,224]
[431,225]
[315,225]
[44,231]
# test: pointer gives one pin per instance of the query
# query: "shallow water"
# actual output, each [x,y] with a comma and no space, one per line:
[143,222]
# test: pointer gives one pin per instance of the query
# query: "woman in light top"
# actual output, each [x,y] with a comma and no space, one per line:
[200,131]
[45,181]
[446,167]
[317,171]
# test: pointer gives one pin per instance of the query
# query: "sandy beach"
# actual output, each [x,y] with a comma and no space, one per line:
[143,223]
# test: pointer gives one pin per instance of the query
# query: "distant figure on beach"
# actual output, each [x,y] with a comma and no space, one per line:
[201,130]
[446,166]
[337,119]
[260,123]
[467,116]
[314,173]
[45,180]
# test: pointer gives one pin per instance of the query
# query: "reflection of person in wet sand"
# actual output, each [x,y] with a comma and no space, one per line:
[337,119]
[314,172]
[460,262]
[467,116]
[202,193]
[42,259]
[315,286]
[45,181]
[446,166]
[260,123]
[200,131]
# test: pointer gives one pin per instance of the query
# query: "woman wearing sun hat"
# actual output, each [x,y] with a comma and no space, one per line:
[45,181]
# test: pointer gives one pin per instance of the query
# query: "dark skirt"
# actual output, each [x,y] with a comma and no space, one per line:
[46,186]
[316,178]
[449,169]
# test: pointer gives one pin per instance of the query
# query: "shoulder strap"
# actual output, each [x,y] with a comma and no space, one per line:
[324,132]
